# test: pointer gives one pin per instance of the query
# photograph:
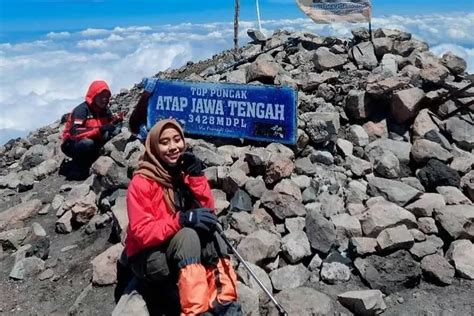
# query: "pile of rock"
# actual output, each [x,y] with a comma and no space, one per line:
[379,185]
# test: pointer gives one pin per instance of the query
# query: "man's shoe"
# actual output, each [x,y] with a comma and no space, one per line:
[77,173]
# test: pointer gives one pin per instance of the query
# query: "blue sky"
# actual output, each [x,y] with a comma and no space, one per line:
[50,50]
[21,19]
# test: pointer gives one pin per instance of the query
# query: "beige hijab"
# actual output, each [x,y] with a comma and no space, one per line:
[151,167]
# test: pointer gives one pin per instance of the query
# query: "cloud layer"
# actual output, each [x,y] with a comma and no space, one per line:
[43,79]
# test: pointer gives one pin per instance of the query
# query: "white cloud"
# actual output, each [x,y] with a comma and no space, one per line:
[58,35]
[25,47]
[132,29]
[92,44]
[94,32]
[115,38]
[45,78]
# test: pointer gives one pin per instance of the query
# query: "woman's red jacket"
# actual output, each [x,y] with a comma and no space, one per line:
[151,221]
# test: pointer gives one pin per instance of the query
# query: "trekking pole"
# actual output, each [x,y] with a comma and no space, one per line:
[280,308]
[292,41]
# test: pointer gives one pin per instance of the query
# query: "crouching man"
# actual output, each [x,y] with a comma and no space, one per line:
[89,126]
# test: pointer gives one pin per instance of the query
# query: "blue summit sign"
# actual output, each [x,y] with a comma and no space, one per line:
[263,113]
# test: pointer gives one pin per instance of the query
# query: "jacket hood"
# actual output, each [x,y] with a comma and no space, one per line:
[95,88]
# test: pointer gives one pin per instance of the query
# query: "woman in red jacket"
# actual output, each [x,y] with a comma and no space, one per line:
[171,231]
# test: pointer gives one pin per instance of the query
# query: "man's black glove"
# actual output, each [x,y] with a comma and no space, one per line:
[107,131]
[200,218]
[108,128]
[190,164]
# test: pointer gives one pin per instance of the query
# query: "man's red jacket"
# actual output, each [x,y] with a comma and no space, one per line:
[86,119]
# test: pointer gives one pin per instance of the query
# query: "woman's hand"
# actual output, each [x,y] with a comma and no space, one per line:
[190,164]
[199,218]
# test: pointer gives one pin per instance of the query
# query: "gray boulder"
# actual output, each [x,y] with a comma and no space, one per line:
[389,274]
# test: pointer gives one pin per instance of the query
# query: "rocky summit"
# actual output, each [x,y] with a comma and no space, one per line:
[370,212]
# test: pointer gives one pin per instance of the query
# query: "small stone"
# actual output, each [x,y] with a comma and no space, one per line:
[44,210]
[47,274]
[366,302]
[51,263]
[335,272]
[38,230]
[315,263]
[67,248]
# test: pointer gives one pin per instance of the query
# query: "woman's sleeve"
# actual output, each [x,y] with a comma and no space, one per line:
[202,191]
[145,227]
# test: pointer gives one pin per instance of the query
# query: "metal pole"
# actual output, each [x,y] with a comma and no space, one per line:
[370,32]
[280,308]
[236,25]
[258,16]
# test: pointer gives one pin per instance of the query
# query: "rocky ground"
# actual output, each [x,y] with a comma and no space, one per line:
[371,211]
